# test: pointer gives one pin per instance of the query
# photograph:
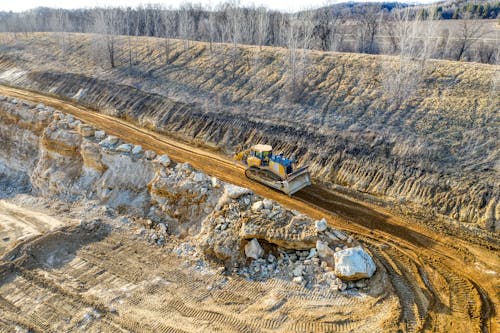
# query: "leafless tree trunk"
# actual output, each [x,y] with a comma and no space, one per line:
[262,26]
[401,79]
[106,24]
[169,22]
[467,35]
[368,25]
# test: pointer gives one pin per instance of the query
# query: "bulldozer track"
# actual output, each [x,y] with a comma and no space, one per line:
[417,260]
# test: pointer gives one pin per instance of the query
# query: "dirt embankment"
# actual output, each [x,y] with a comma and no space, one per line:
[436,149]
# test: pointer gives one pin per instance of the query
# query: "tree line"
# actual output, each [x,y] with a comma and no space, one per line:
[351,27]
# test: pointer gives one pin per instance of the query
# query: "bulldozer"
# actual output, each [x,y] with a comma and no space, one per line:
[273,170]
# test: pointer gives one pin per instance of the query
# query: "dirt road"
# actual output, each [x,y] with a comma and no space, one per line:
[444,284]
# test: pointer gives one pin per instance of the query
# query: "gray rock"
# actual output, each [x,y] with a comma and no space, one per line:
[162,228]
[149,154]
[199,177]
[137,150]
[312,253]
[339,234]
[331,236]
[124,148]
[86,130]
[253,249]
[321,225]
[298,270]
[325,253]
[109,142]
[99,135]
[163,160]
[268,204]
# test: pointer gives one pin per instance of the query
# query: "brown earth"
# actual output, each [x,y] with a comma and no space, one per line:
[443,284]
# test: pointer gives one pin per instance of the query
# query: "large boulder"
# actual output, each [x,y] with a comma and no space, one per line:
[253,249]
[354,264]
[234,192]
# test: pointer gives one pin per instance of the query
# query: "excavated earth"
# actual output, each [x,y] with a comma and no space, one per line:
[126,241]
[102,238]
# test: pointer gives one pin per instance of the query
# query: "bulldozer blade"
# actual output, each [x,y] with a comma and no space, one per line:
[297,181]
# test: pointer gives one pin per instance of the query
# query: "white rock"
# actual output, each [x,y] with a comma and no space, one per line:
[298,270]
[257,206]
[354,264]
[312,253]
[163,160]
[298,279]
[109,141]
[215,182]
[40,106]
[186,167]
[325,252]
[124,148]
[268,204]
[199,177]
[99,135]
[137,150]
[253,249]
[321,225]
[234,192]
[149,154]
[162,228]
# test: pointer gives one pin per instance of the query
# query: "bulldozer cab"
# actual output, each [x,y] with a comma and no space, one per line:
[262,152]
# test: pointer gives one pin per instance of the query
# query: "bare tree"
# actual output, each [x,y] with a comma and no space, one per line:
[186,25]
[107,24]
[293,44]
[467,35]
[368,25]
[169,19]
[262,26]
[401,79]
[234,16]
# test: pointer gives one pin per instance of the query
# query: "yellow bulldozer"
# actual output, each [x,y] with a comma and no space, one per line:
[273,170]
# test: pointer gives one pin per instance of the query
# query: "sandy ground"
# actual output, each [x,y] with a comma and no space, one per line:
[18,224]
[443,284]
[110,279]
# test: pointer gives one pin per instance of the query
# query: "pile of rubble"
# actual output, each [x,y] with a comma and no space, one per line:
[319,267]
